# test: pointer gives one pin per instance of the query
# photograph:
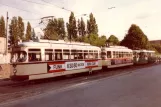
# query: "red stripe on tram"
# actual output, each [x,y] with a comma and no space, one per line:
[91,66]
[59,70]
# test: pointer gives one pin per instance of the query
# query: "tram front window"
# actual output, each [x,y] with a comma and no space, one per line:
[19,56]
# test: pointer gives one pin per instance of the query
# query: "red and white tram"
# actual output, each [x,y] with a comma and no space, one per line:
[45,59]
[116,56]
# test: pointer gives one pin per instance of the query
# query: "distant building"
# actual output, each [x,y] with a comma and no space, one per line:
[2,45]
[156,42]
[4,58]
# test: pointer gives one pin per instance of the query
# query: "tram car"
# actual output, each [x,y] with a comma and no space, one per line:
[116,56]
[45,59]
[143,56]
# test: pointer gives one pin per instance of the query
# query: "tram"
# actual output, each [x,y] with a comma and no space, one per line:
[116,56]
[46,58]
[143,56]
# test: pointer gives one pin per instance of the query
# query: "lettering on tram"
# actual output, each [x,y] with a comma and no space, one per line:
[91,64]
[56,67]
[75,65]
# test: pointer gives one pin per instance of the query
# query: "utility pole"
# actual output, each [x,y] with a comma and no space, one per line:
[7,34]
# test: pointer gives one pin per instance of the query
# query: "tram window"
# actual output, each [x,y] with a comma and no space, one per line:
[114,54]
[96,54]
[120,55]
[117,54]
[66,54]
[108,54]
[48,54]
[91,54]
[58,54]
[141,54]
[80,54]
[123,55]
[85,54]
[74,54]
[19,56]
[34,54]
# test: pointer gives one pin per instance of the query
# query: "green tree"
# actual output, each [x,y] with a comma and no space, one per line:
[92,39]
[21,28]
[135,39]
[113,40]
[2,27]
[33,35]
[61,28]
[92,27]
[81,29]
[156,47]
[28,32]
[72,28]
[50,32]
[13,31]
[102,41]
[55,29]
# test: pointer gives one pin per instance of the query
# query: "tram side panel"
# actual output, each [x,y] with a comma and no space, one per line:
[27,70]
[113,63]
[30,71]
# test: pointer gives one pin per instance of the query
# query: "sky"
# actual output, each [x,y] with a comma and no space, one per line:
[116,21]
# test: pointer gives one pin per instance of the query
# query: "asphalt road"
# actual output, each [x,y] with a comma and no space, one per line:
[141,88]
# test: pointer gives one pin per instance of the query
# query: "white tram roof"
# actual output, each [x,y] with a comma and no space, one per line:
[118,48]
[148,51]
[60,44]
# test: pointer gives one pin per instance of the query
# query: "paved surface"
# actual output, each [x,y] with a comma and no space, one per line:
[137,89]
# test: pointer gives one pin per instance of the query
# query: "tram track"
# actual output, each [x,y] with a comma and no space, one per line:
[17,90]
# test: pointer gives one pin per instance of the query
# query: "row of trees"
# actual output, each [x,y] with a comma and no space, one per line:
[16,30]
[76,30]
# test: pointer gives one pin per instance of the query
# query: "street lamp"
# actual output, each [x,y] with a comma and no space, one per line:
[111,7]
[81,15]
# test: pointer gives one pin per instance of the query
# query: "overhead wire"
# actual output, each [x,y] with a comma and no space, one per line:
[31,19]
[37,3]
[48,4]
[18,8]
[36,26]
[57,6]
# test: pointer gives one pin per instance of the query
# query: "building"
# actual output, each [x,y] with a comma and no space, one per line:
[4,58]
[2,45]
[156,42]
